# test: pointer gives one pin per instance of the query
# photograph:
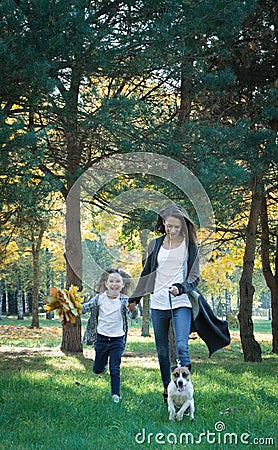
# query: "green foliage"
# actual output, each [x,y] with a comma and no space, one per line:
[233,321]
[99,252]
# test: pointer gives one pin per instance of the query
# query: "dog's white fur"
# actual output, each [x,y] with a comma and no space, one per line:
[180,394]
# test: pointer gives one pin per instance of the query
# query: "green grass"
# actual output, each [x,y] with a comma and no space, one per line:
[9,320]
[53,401]
[260,325]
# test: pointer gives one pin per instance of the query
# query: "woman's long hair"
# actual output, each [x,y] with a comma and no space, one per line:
[187,226]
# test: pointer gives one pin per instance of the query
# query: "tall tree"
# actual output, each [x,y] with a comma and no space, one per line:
[269,253]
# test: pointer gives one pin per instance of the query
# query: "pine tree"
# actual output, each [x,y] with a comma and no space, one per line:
[90,79]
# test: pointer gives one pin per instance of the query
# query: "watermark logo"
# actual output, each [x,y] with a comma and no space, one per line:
[97,179]
[219,436]
[219,426]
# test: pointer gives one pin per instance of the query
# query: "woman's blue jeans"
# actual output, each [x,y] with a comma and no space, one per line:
[113,348]
[181,324]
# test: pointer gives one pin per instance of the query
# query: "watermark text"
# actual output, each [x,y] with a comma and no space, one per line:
[218,436]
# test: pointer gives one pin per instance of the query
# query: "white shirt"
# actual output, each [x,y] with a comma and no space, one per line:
[170,270]
[110,320]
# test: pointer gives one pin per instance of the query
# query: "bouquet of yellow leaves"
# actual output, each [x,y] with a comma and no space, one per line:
[67,303]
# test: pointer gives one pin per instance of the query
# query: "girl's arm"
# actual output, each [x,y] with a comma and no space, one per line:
[132,310]
[90,305]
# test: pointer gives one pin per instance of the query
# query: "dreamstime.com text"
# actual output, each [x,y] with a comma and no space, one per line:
[218,436]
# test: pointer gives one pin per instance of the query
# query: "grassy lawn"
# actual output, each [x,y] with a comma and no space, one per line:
[51,401]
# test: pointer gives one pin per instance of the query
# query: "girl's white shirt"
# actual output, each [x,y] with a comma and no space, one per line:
[170,270]
[110,319]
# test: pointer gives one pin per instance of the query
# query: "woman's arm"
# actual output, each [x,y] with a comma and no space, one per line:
[132,310]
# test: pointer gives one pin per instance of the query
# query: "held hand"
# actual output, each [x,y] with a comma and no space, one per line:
[174,290]
[132,306]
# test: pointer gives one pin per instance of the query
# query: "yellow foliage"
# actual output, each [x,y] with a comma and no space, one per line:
[88,234]
[68,303]
[11,254]
[219,271]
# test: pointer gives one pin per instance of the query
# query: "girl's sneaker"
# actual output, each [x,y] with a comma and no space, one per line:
[115,398]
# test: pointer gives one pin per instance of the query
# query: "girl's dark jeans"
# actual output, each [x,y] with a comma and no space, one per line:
[113,348]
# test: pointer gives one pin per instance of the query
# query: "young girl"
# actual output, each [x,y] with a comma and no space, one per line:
[107,326]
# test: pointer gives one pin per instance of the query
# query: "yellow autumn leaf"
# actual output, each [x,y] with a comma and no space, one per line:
[67,303]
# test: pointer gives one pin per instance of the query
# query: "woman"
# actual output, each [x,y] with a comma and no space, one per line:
[171,271]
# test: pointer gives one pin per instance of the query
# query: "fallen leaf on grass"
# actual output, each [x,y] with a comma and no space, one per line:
[25,332]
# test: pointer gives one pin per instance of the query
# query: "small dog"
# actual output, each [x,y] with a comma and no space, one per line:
[180,394]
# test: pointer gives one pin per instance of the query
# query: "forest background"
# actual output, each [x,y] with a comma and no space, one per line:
[82,82]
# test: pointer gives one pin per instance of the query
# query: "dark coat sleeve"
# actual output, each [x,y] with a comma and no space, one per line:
[147,278]
[212,330]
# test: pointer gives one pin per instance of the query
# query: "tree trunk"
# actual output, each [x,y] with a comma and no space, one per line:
[274,309]
[212,302]
[146,316]
[6,300]
[270,277]
[49,315]
[71,340]
[228,303]
[36,277]
[185,94]
[19,303]
[26,304]
[35,291]
[251,348]
[73,238]
[1,297]
[19,298]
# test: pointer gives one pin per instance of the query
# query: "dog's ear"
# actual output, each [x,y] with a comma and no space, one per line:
[173,368]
